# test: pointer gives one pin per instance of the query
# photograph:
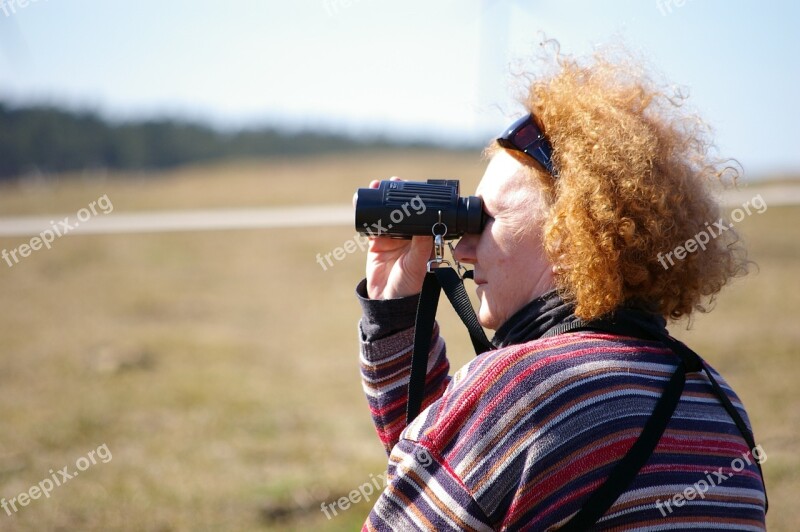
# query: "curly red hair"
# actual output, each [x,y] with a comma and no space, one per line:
[634,183]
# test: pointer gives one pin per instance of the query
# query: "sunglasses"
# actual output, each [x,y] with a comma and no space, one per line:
[525,136]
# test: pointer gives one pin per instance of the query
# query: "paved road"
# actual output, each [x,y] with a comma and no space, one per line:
[272,217]
[206,220]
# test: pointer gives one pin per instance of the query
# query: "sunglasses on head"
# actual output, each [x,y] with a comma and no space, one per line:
[525,136]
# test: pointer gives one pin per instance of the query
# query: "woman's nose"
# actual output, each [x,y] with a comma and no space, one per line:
[465,249]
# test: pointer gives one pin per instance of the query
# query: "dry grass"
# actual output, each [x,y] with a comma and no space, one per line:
[220,368]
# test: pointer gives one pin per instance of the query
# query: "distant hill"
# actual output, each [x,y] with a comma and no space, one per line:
[44,139]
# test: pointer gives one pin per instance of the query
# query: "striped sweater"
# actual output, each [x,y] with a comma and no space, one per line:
[521,436]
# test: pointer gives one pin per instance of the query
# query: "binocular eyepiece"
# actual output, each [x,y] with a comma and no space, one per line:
[402,209]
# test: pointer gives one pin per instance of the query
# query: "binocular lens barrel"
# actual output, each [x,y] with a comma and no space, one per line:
[402,209]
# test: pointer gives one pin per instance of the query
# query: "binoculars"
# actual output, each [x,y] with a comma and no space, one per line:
[402,209]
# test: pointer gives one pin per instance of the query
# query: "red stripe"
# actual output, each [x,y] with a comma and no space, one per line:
[474,395]
[579,468]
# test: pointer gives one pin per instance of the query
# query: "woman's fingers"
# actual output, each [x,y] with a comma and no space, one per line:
[420,252]
[381,244]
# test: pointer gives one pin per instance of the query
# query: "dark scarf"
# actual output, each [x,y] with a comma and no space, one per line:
[544,313]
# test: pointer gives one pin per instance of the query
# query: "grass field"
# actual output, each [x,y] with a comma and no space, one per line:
[220,368]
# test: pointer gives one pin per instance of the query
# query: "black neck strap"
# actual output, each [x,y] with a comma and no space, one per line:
[447,279]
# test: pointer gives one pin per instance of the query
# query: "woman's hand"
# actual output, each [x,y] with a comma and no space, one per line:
[395,267]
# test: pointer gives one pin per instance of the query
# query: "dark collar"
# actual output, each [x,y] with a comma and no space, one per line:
[549,311]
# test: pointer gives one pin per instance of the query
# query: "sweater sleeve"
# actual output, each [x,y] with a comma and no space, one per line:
[423,493]
[387,342]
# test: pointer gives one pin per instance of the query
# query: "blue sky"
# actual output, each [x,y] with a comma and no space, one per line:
[437,69]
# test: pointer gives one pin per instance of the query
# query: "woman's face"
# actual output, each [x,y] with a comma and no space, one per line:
[511,268]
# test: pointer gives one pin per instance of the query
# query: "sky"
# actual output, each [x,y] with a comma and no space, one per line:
[440,70]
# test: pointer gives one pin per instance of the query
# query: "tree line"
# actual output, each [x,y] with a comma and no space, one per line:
[47,139]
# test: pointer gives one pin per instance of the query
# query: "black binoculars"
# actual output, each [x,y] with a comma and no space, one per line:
[402,209]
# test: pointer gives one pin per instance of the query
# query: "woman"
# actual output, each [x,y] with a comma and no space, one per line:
[584,198]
